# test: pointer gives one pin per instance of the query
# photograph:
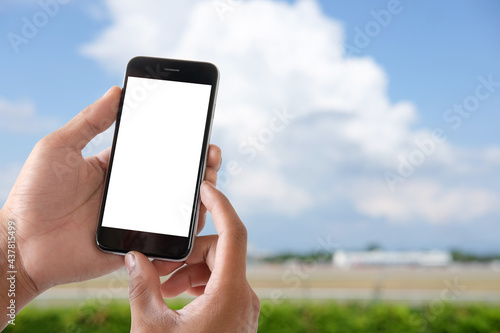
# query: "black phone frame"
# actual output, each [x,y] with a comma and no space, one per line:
[154,245]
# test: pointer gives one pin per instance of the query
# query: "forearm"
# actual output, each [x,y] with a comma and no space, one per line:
[16,288]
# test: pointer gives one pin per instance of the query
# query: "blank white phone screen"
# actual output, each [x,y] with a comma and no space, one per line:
[157,156]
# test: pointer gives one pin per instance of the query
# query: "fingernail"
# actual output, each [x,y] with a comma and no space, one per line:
[130,261]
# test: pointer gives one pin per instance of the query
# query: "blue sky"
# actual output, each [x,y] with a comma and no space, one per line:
[323,176]
[433,55]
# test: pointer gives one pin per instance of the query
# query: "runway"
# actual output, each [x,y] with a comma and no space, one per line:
[276,283]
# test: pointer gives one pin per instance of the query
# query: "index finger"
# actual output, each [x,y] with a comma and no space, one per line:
[231,254]
[214,158]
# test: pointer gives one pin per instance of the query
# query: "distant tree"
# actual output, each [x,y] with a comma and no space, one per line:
[301,257]
[462,256]
[373,247]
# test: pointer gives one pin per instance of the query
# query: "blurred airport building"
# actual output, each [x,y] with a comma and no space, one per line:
[346,259]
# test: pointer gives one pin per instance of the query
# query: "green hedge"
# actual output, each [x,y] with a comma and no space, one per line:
[332,317]
[289,317]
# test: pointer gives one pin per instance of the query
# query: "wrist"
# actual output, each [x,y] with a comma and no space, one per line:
[16,286]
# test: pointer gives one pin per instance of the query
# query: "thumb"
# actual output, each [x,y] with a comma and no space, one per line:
[94,119]
[146,302]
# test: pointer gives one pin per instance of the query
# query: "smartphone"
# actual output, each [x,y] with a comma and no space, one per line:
[151,198]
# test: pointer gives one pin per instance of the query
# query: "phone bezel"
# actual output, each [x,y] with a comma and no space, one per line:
[155,245]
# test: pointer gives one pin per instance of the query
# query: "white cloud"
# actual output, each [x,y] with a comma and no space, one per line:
[140,28]
[21,117]
[273,55]
[271,193]
[425,200]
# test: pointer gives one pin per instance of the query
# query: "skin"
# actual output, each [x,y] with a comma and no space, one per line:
[215,273]
[55,206]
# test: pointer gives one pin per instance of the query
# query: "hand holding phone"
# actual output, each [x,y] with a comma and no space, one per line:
[215,273]
[55,200]
[150,202]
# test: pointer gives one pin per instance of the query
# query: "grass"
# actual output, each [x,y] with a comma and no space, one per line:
[289,317]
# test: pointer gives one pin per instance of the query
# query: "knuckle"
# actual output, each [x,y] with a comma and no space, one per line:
[211,175]
[209,254]
[239,232]
[85,117]
[137,289]
[87,110]
[51,139]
